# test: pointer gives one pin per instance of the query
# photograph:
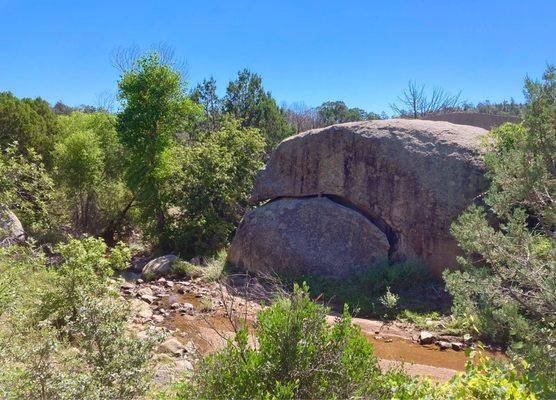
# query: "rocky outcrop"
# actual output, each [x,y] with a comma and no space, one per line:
[312,235]
[11,230]
[410,178]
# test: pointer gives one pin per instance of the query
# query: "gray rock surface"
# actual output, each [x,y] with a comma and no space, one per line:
[11,230]
[412,178]
[158,267]
[307,235]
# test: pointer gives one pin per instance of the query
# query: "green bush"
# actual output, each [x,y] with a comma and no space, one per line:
[64,332]
[27,189]
[209,194]
[89,169]
[299,355]
[507,289]
[211,270]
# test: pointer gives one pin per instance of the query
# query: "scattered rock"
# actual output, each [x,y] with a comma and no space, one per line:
[11,230]
[141,309]
[145,291]
[444,345]
[426,337]
[457,346]
[172,346]
[187,308]
[159,267]
[149,299]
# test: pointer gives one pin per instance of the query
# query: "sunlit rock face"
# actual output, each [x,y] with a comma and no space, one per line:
[410,179]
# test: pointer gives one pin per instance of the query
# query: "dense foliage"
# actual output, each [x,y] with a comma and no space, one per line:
[209,192]
[507,289]
[64,331]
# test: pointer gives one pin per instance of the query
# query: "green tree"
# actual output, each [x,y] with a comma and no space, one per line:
[210,192]
[508,286]
[29,122]
[89,168]
[247,100]
[205,95]
[154,108]
[336,112]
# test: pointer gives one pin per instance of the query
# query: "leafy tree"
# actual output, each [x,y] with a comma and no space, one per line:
[88,161]
[155,107]
[508,286]
[209,194]
[247,100]
[336,112]
[29,122]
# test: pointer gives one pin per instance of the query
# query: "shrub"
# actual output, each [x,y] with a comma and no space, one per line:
[211,270]
[27,189]
[89,169]
[82,271]
[299,355]
[507,288]
[63,334]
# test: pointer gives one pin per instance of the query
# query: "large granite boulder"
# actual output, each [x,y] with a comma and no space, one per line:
[11,230]
[410,178]
[312,235]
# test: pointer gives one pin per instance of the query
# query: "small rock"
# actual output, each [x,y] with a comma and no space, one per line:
[187,308]
[169,284]
[158,319]
[149,299]
[145,291]
[181,290]
[457,346]
[127,286]
[140,281]
[141,309]
[183,365]
[190,348]
[378,338]
[444,345]
[175,306]
[172,346]
[426,337]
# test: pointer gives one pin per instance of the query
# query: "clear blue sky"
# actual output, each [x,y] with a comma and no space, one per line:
[362,52]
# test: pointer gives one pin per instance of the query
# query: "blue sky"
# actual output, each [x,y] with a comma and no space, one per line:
[362,52]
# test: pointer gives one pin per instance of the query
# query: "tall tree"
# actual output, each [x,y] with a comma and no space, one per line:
[247,100]
[154,108]
[205,94]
